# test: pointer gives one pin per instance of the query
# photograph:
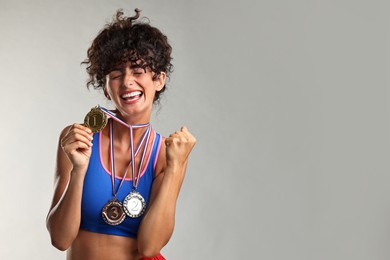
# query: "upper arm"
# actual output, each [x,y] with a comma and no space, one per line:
[62,171]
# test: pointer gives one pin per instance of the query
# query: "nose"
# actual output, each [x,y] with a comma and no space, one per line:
[128,78]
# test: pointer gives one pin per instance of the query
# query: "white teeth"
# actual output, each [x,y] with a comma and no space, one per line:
[131,94]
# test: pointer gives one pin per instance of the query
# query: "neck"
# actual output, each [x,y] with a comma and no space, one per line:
[122,132]
[123,123]
[125,119]
[134,118]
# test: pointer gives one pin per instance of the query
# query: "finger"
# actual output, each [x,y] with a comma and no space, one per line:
[86,129]
[183,135]
[81,137]
[75,137]
[78,131]
[72,147]
[176,139]
[81,127]
[188,134]
[175,134]
[78,127]
[185,131]
[169,140]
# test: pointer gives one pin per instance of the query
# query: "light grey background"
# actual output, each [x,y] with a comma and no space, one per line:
[289,101]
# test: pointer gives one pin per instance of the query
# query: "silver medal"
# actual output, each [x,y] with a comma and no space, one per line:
[134,204]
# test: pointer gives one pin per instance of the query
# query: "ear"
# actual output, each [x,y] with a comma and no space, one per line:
[160,81]
[106,94]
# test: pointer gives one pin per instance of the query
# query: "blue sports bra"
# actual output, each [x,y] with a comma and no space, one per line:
[97,191]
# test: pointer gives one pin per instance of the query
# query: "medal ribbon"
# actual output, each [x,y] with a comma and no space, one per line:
[145,138]
[113,116]
[136,180]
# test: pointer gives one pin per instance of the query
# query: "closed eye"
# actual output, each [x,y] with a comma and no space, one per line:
[138,71]
[115,74]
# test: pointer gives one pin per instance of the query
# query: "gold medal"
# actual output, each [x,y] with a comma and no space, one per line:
[95,120]
[113,213]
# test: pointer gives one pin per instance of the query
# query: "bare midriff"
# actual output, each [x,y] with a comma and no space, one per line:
[96,246]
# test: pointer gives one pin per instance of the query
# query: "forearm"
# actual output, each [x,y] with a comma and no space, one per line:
[158,223]
[63,221]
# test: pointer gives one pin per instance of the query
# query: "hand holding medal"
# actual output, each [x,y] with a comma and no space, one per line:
[77,141]
[76,144]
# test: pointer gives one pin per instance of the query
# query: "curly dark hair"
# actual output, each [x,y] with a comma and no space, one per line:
[128,39]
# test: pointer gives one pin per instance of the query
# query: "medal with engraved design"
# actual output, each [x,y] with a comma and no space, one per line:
[134,204]
[113,213]
[96,119]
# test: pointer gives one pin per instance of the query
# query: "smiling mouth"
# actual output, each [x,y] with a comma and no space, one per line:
[132,95]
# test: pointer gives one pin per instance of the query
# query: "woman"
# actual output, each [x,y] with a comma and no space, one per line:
[107,205]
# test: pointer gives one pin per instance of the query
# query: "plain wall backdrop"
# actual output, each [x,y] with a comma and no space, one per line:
[289,101]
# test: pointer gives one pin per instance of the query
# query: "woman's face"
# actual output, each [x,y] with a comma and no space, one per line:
[132,88]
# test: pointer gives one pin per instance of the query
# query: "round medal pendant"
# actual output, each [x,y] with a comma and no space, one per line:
[113,213]
[134,204]
[96,119]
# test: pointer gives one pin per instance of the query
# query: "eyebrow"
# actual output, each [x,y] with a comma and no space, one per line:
[138,66]
[134,65]
[117,69]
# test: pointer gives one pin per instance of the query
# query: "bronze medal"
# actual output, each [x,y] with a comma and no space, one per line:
[95,120]
[134,204]
[113,213]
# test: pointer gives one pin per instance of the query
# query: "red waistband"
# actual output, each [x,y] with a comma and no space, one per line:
[157,257]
